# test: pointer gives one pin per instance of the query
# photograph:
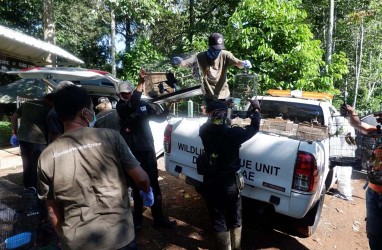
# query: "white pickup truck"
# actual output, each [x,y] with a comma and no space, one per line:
[289,165]
[98,83]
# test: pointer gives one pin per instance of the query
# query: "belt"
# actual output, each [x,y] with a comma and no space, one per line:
[376,188]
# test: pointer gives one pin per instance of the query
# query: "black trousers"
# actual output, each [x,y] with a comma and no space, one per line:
[30,152]
[223,202]
[148,162]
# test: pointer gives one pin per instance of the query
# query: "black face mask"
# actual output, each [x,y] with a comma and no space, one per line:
[213,53]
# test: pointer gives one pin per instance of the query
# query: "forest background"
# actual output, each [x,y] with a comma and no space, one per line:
[322,45]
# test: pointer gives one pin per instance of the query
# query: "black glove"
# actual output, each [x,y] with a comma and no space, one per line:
[230,103]
[255,104]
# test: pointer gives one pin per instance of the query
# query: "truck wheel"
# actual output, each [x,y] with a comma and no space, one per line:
[329,179]
[307,225]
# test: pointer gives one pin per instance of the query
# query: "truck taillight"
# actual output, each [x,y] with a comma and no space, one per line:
[167,139]
[305,173]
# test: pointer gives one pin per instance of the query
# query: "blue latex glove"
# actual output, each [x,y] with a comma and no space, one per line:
[247,64]
[176,60]
[14,142]
[148,198]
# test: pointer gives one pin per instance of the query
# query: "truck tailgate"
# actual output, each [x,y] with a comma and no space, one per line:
[186,145]
[268,162]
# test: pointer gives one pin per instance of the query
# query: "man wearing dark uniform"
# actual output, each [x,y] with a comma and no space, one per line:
[82,177]
[221,187]
[32,135]
[135,115]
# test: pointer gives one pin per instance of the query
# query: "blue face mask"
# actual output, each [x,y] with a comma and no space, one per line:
[91,123]
[213,53]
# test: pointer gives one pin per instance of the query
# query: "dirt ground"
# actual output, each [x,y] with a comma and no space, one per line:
[342,224]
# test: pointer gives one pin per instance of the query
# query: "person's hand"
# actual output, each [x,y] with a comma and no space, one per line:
[148,198]
[378,117]
[346,109]
[255,104]
[247,64]
[230,103]
[142,76]
[14,142]
[177,60]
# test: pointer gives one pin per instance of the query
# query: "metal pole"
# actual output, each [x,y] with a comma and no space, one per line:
[190,108]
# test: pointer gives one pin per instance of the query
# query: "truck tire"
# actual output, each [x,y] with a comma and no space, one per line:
[307,225]
[329,179]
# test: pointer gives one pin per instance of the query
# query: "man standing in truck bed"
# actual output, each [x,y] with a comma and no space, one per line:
[213,65]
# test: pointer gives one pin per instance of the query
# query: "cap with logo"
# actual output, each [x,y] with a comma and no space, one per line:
[216,40]
[126,87]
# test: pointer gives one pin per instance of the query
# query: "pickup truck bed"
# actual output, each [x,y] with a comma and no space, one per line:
[286,165]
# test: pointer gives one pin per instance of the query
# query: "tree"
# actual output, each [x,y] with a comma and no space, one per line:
[275,36]
[142,54]
[84,35]
[49,28]
[22,15]
[329,46]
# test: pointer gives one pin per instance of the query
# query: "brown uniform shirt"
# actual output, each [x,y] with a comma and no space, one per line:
[215,73]
[33,125]
[84,170]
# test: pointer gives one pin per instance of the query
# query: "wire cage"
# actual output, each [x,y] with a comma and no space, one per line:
[243,88]
[343,142]
[370,151]
[159,83]
[162,79]
[19,216]
[301,131]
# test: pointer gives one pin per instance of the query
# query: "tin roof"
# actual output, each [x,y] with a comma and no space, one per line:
[23,47]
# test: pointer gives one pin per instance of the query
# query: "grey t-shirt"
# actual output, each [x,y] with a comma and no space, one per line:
[108,118]
[84,170]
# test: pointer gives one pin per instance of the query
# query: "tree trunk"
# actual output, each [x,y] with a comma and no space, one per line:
[358,61]
[372,85]
[329,43]
[128,37]
[112,47]
[49,29]
[192,21]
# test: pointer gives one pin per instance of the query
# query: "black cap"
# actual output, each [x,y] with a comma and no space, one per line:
[216,104]
[216,40]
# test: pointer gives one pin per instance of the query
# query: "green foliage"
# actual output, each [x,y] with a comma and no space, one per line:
[22,15]
[277,36]
[83,34]
[5,133]
[179,31]
[141,55]
[274,35]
